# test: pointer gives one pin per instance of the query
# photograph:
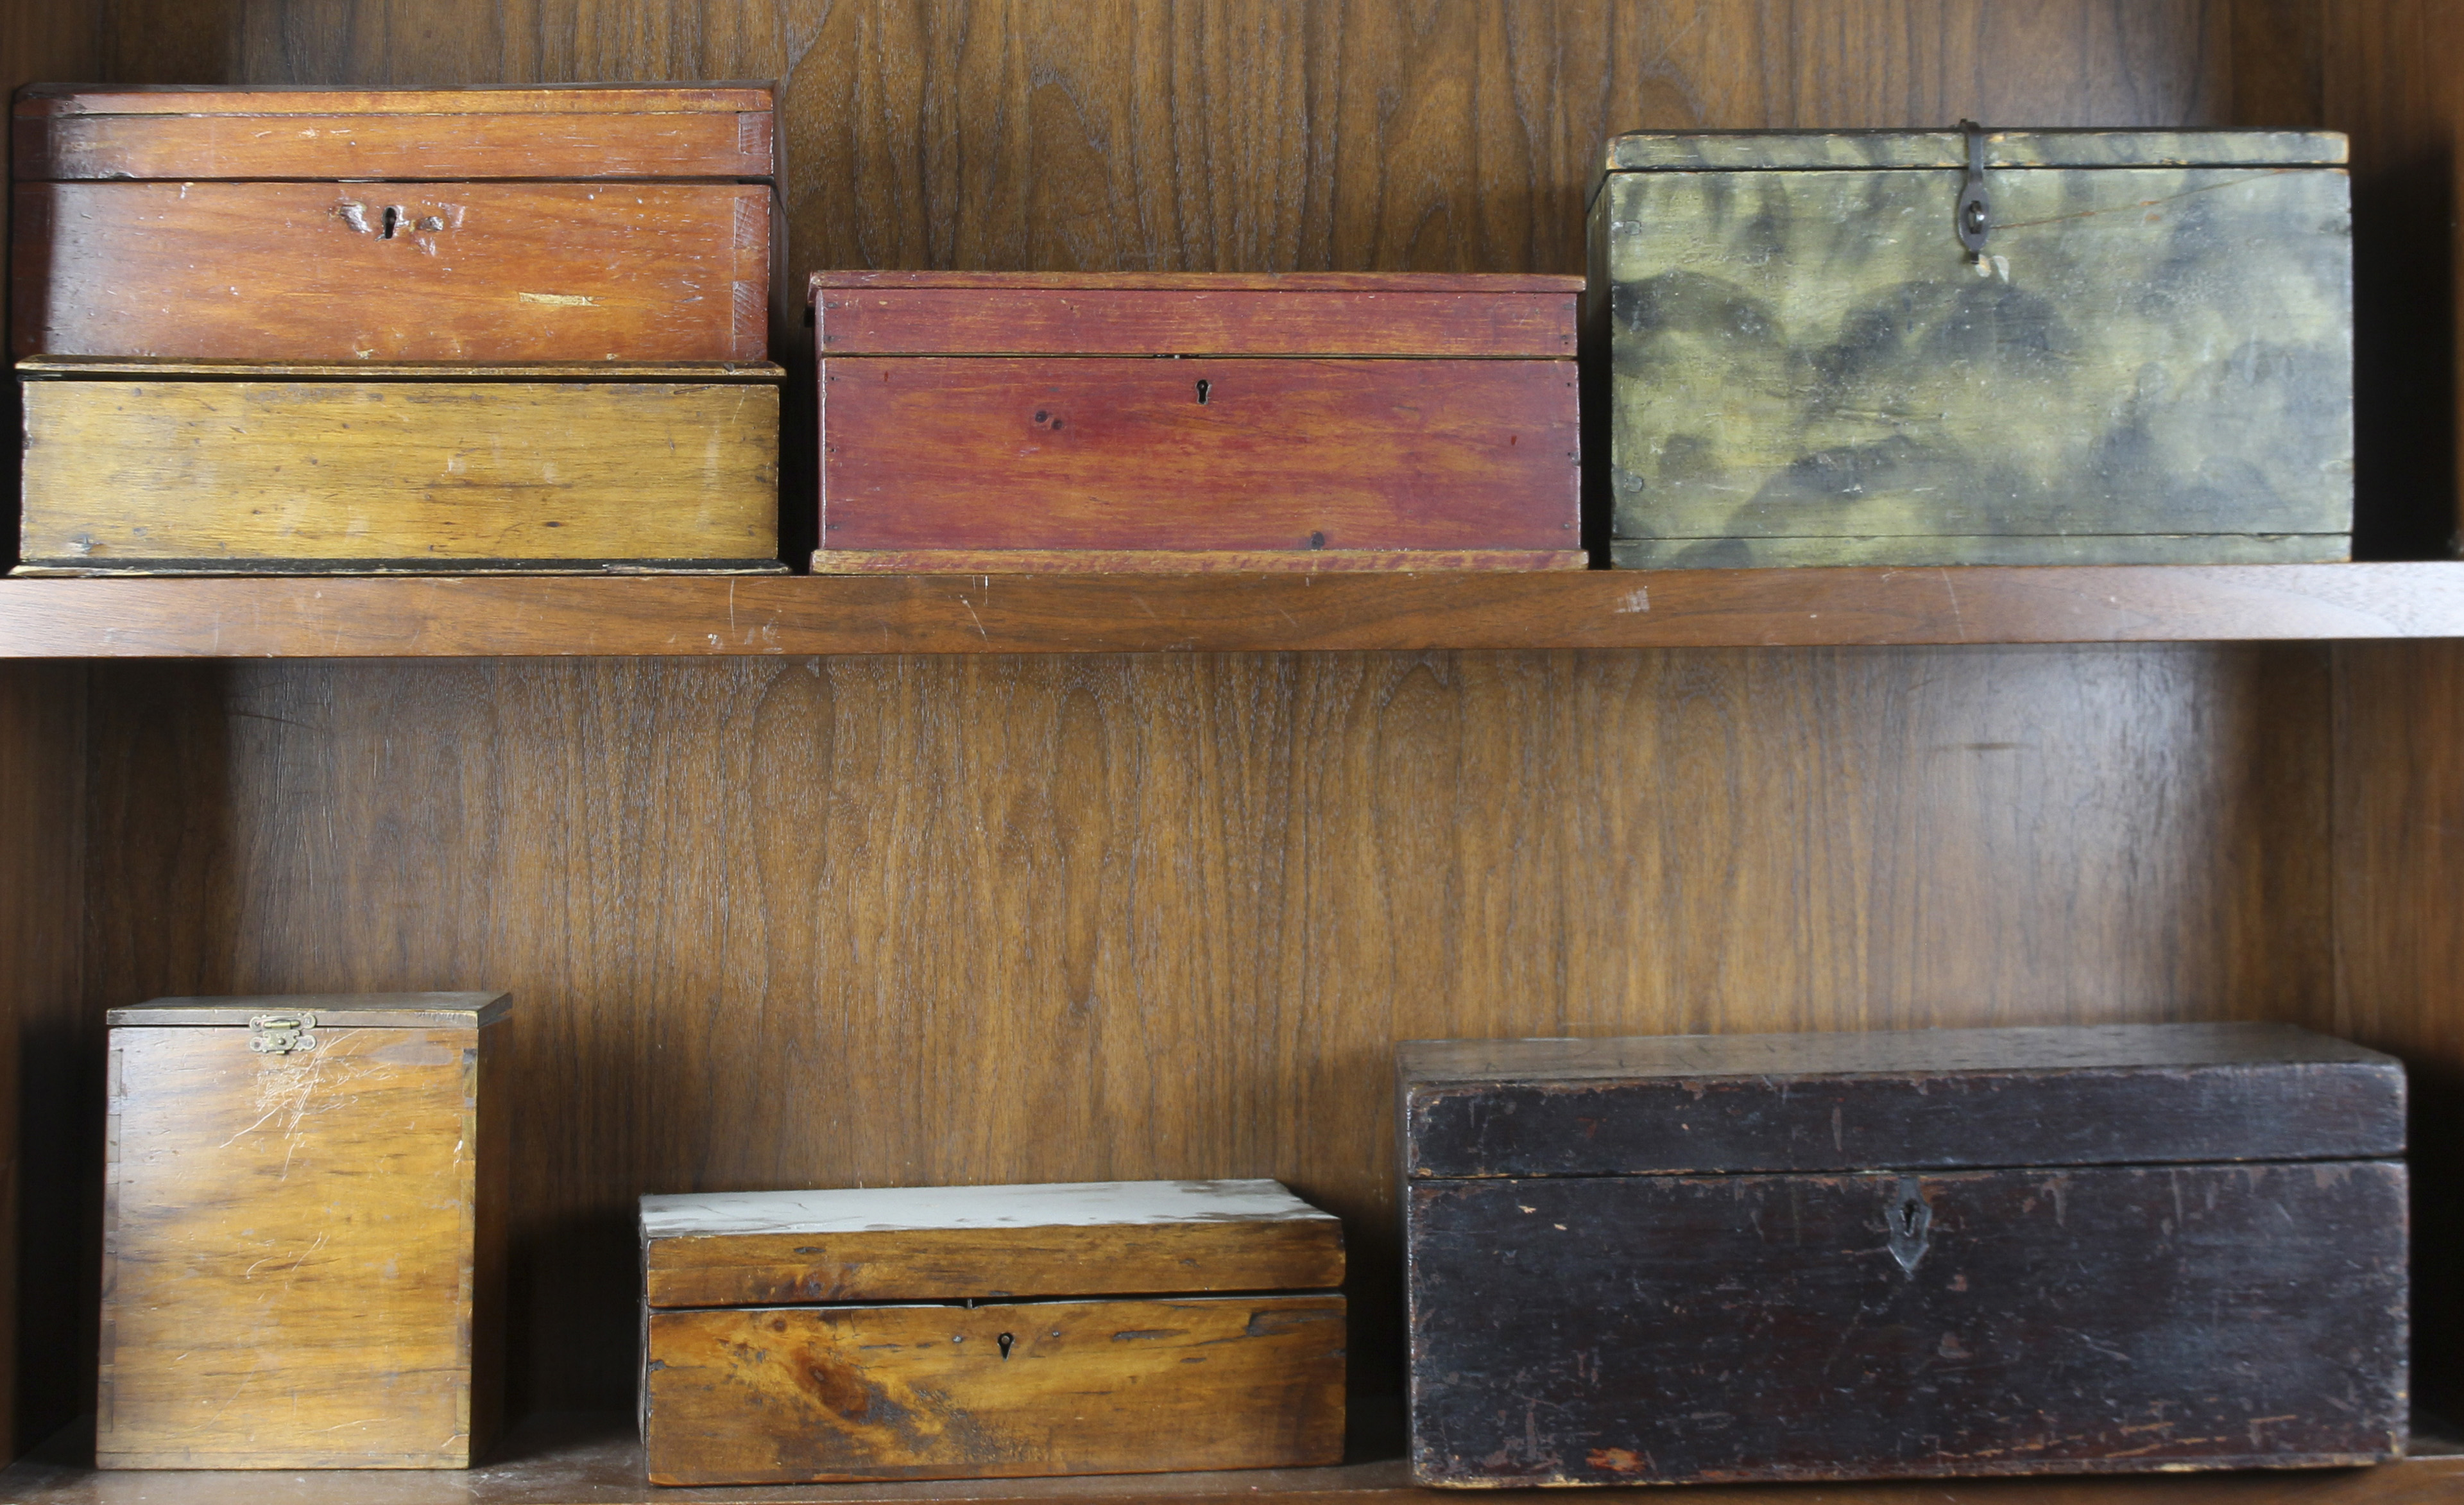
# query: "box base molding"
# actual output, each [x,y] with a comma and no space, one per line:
[1181,561]
[62,568]
[1942,550]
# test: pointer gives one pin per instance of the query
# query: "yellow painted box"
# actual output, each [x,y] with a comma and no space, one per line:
[233,467]
[978,1332]
[303,1233]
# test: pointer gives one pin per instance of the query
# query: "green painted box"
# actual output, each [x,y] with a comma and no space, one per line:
[1975,347]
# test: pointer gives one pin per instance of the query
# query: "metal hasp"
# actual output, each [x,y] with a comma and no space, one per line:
[1973,219]
[281,1034]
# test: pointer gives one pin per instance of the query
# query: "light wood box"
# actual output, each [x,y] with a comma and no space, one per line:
[303,1233]
[156,468]
[981,1332]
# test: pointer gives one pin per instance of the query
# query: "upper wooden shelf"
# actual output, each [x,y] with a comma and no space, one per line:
[527,616]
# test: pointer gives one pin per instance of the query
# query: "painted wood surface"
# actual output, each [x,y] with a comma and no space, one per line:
[294,1268]
[482,272]
[2116,1095]
[799,1394]
[1110,452]
[152,475]
[477,617]
[77,132]
[966,1243]
[1398,313]
[1803,356]
[2110,1319]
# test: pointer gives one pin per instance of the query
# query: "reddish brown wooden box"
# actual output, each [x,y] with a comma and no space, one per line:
[1011,422]
[469,224]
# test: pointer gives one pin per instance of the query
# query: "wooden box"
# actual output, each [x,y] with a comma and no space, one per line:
[1972,1252]
[257,467]
[303,1233]
[1010,422]
[483,225]
[2145,358]
[978,1332]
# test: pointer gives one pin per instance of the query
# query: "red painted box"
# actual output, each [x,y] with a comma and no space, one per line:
[1008,421]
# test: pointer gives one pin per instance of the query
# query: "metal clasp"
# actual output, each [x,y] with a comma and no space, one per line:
[281,1034]
[1973,219]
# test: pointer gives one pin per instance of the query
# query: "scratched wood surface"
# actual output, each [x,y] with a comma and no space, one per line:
[784,1395]
[1665,1329]
[955,906]
[293,1274]
[403,272]
[159,473]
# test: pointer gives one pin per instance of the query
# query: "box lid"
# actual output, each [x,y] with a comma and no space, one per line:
[333,1010]
[1359,314]
[1737,151]
[1905,1099]
[79,131]
[955,1242]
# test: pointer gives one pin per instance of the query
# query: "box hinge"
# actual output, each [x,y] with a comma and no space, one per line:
[281,1034]
[1973,219]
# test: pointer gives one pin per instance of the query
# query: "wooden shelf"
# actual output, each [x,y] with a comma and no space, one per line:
[527,616]
[594,1460]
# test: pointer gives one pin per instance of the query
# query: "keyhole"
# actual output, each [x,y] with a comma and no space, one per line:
[1005,1340]
[1203,387]
[392,220]
[1908,1217]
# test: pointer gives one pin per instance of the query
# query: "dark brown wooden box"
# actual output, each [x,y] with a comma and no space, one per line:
[1019,422]
[1834,1256]
[470,225]
[985,1332]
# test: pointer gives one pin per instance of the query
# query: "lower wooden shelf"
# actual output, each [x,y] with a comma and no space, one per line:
[595,1460]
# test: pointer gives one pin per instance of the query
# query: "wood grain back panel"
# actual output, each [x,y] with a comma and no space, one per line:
[49,1159]
[915,921]
[403,272]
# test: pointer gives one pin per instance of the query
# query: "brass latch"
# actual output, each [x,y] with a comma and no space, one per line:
[281,1034]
